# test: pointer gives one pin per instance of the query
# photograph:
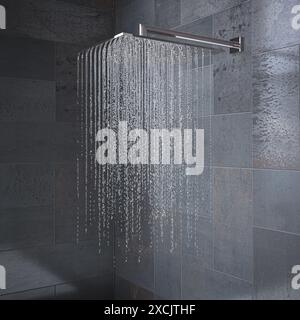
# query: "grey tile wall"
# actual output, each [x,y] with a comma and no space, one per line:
[255,145]
[39,129]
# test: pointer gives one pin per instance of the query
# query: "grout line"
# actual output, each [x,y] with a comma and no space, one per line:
[274,230]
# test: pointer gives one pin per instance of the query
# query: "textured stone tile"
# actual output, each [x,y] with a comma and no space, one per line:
[27,100]
[272,24]
[205,284]
[125,290]
[59,21]
[27,58]
[36,294]
[233,72]
[276,200]
[233,221]
[26,185]
[194,9]
[167,13]
[100,288]
[46,266]
[167,275]
[27,142]
[232,140]
[130,13]
[276,109]
[275,254]
[22,227]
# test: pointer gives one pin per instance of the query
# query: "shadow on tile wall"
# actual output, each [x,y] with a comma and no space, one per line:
[39,130]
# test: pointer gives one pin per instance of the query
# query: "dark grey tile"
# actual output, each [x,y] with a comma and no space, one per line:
[233,250]
[66,82]
[205,284]
[275,254]
[26,185]
[198,239]
[60,21]
[27,100]
[46,266]
[31,142]
[276,200]
[125,290]
[233,197]
[138,269]
[36,294]
[203,27]
[232,140]
[272,24]
[233,72]
[276,109]
[100,288]
[65,185]
[194,9]
[233,222]
[130,13]
[21,227]
[167,13]
[167,275]
[99,4]
[70,226]
[27,58]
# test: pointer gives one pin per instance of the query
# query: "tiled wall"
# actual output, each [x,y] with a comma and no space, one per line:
[38,132]
[251,239]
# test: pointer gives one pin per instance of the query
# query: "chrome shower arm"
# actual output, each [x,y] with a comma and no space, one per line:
[236,44]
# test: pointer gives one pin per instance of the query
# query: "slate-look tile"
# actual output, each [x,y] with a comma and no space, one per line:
[27,100]
[194,9]
[26,185]
[276,200]
[276,109]
[167,13]
[272,25]
[233,72]
[275,254]
[232,140]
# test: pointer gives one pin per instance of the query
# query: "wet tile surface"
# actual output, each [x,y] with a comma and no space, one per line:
[276,109]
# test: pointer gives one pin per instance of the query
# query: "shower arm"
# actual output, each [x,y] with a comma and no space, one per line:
[235,45]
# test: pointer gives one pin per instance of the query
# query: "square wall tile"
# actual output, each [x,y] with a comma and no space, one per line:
[207,284]
[272,24]
[276,200]
[232,140]
[275,254]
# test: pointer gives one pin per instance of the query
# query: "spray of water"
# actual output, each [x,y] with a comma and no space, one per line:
[150,84]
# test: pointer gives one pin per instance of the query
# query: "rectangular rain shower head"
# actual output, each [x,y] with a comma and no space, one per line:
[235,45]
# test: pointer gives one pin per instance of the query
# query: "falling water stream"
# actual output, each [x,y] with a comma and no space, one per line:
[150,84]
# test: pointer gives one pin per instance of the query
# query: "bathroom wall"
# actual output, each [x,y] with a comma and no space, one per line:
[251,234]
[38,134]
